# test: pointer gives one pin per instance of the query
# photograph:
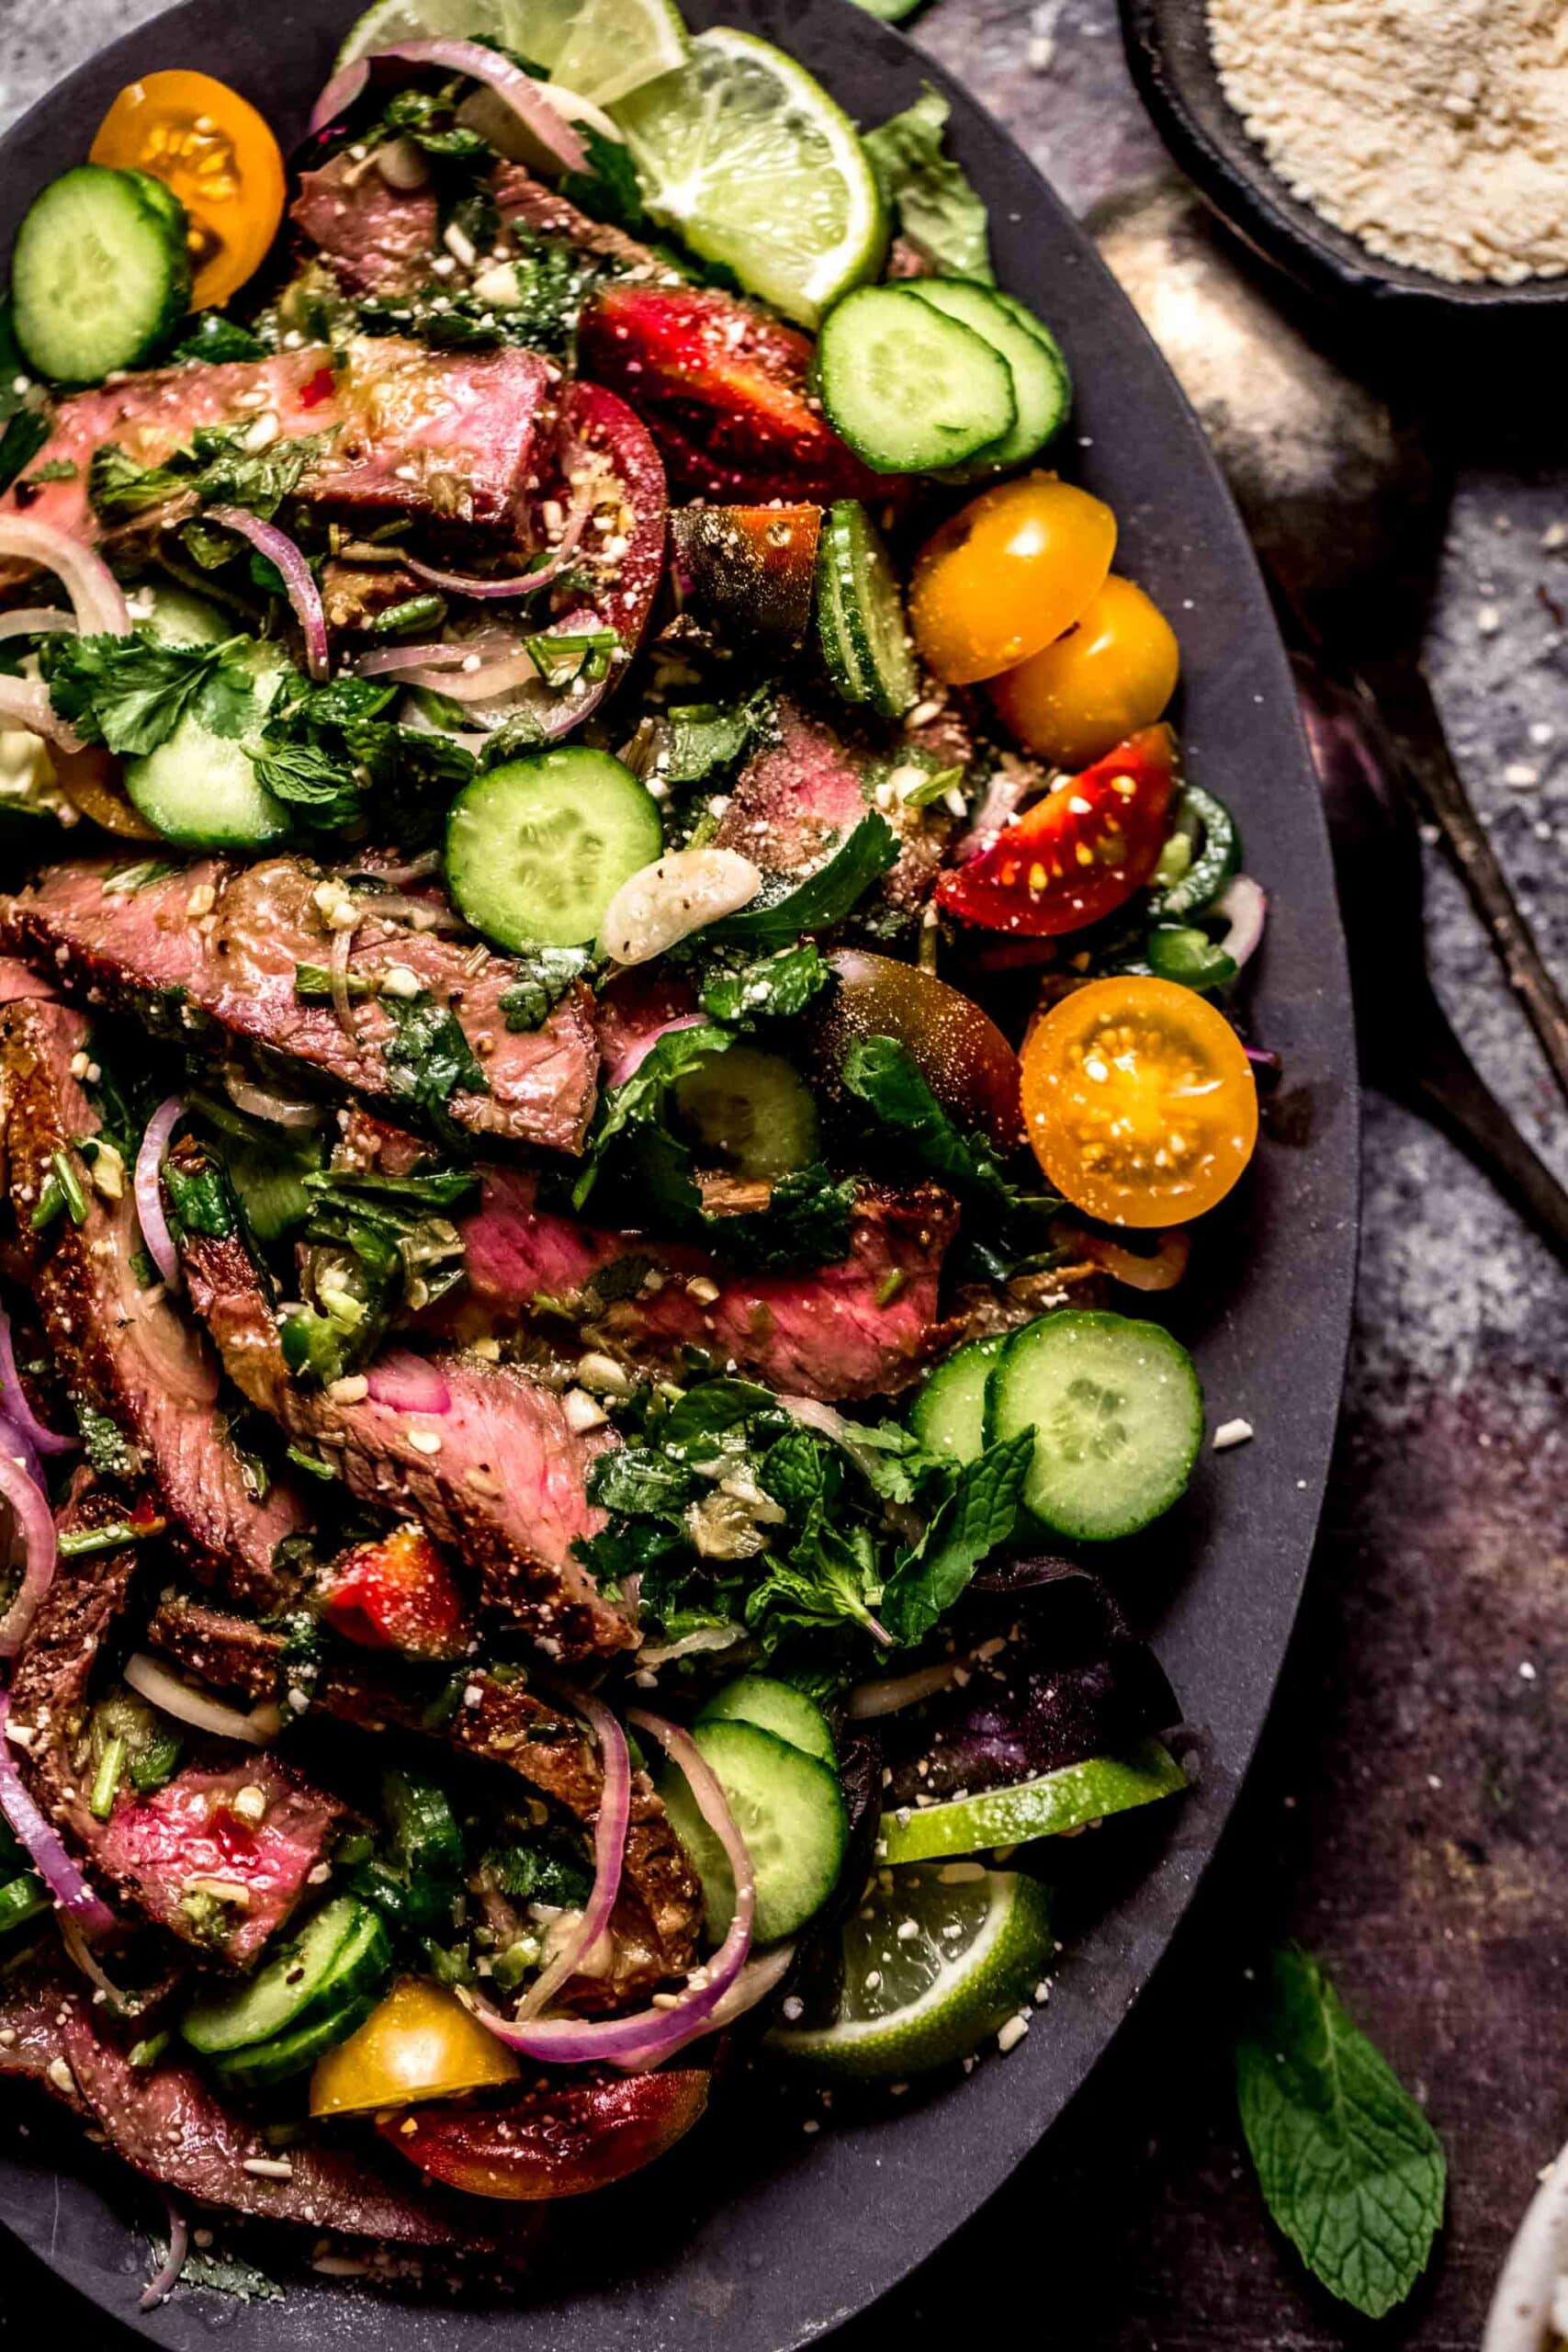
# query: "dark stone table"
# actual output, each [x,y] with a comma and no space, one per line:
[1408,1819]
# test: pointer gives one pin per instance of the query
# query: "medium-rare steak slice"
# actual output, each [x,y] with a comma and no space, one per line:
[36,2002]
[654,1927]
[497,1474]
[864,1328]
[220,1876]
[124,1350]
[212,952]
[803,791]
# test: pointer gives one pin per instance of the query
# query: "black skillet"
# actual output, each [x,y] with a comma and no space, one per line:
[757,2236]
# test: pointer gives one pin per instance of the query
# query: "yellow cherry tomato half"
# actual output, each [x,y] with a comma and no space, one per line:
[420,2042]
[1112,673]
[213,149]
[1139,1101]
[1007,574]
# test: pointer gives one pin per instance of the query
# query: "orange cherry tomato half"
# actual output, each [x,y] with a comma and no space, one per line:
[1138,1100]
[420,2042]
[559,2141]
[1007,574]
[1112,673]
[212,148]
[1078,852]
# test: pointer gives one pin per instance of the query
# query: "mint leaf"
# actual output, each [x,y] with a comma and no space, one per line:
[1351,2170]
[638,1102]
[980,1513]
[775,988]
[886,1078]
[824,898]
[937,208]
[545,975]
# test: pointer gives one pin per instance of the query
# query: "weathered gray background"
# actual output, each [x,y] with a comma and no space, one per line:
[1409,1820]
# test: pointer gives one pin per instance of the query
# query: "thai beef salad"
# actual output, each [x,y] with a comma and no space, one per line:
[613,988]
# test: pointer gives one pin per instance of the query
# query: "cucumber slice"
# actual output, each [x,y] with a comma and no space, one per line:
[1048,1807]
[860,621]
[909,389]
[789,1809]
[100,274]
[296,2051]
[179,619]
[777,1707]
[1117,1410]
[751,1112]
[948,1415]
[538,847]
[1042,387]
[318,1964]
[201,791]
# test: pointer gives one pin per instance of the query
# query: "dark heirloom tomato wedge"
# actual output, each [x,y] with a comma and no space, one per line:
[559,2141]
[962,1055]
[622,588]
[398,1594]
[750,570]
[1078,854]
[724,389]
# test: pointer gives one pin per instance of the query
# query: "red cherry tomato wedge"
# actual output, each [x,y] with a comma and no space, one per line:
[398,1594]
[1079,853]
[561,2141]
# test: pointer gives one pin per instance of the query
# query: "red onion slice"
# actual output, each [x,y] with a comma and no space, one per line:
[298,580]
[149,1188]
[274,1109]
[1245,909]
[408,1384]
[610,1829]
[652,2034]
[162,2286]
[518,90]
[521,583]
[14,1403]
[53,1864]
[94,593]
[636,1053]
[513,669]
[171,1697]
[35,1527]
[35,620]
[25,705]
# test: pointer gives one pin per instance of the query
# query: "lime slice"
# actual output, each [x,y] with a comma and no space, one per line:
[601,49]
[1042,1808]
[748,159]
[935,1958]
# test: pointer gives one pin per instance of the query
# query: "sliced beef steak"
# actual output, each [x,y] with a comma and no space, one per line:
[124,1350]
[498,1476]
[803,791]
[656,1920]
[36,2005]
[211,952]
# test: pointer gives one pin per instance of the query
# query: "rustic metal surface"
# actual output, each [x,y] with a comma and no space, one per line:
[1409,1819]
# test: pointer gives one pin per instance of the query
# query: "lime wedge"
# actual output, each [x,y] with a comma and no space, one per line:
[750,160]
[1042,1808]
[601,49]
[935,1958]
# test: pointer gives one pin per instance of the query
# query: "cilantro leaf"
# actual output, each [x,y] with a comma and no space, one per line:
[979,1513]
[637,1104]
[217,340]
[1352,2171]
[884,1075]
[429,1060]
[308,777]
[131,694]
[215,469]
[26,430]
[824,898]
[937,208]
[775,988]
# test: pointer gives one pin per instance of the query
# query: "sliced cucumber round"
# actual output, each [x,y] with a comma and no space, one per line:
[538,847]
[777,1707]
[100,274]
[1117,1410]
[909,389]
[948,1415]
[789,1809]
[751,1112]
[340,1953]
[1042,387]
[296,2051]
[201,791]
[860,621]
[179,619]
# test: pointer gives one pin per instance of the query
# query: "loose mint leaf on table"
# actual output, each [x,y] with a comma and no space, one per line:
[937,209]
[1350,2166]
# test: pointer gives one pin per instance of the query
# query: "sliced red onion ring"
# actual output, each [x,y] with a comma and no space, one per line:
[149,1188]
[408,1384]
[34,1524]
[1012,783]
[1245,908]
[1161,1269]
[298,580]
[519,91]
[83,1957]
[171,1697]
[652,2034]
[520,584]
[14,1403]
[162,2286]
[510,670]
[35,620]
[25,705]
[94,593]
[53,1864]
[705,1638]
[636,1053]
[610,1829]
[337,979]
[276,1109]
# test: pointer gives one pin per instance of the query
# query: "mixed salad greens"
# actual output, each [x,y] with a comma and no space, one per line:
[618,974]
